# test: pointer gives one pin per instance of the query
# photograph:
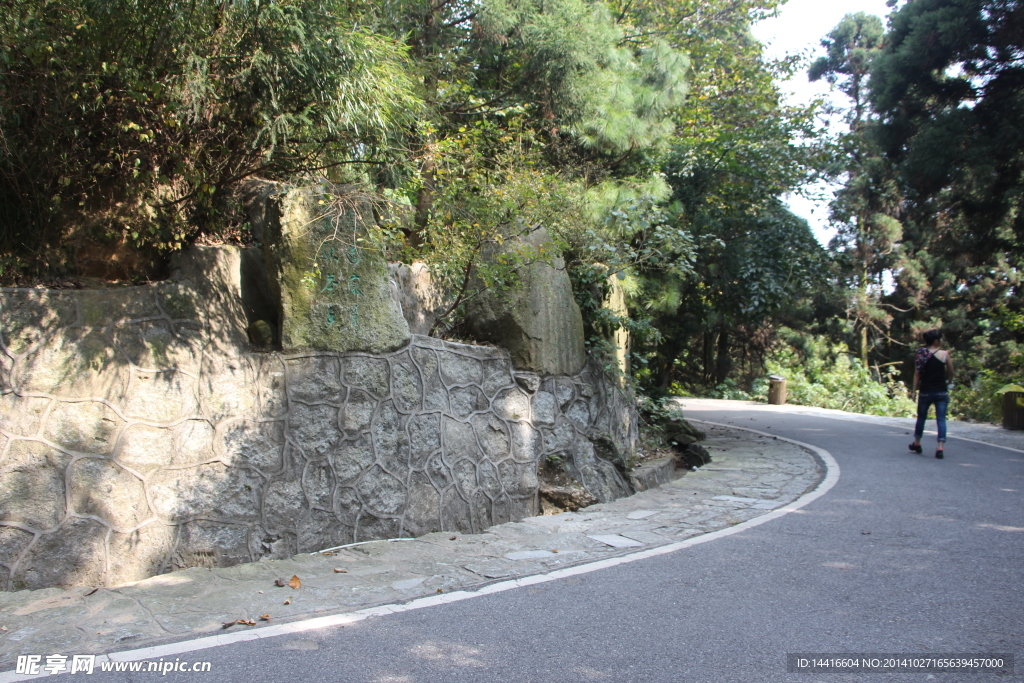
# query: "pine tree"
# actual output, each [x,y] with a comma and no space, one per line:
[947,89]
[865,207]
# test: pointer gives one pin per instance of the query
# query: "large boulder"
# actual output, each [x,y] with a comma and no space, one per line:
[333,291]
[615,301]
[210,291]
[680,432]
[538,322]
[420,299]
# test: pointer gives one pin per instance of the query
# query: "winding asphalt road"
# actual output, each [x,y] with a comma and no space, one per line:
[906,554]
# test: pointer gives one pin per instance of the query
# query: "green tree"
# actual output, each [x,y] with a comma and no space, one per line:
[560,68]
[947,90]
[748,269]
[523,96]
[738,148]
[133,121]
[865,208]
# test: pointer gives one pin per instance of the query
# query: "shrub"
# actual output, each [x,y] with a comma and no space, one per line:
[131,120]
[978,400]
[825,374]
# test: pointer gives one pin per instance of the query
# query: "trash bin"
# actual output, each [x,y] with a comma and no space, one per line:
[776,390]
[1013,410]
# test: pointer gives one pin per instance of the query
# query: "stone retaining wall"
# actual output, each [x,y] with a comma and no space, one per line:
[140,434]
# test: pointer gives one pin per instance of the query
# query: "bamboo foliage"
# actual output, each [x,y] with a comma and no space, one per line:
[133,119]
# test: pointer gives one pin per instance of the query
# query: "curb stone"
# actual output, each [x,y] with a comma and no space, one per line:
[750,475]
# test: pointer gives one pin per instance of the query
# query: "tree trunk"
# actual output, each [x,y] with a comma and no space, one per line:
[424,201]
[426,49]
[863,288]
[864,346]
[708,357]
[723,363]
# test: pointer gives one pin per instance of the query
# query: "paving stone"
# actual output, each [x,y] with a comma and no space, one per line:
[615,540]
[734,499]
[408,583]
[528,554]
[196,601]
[644,536]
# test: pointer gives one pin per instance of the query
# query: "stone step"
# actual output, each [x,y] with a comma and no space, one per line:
[654,473]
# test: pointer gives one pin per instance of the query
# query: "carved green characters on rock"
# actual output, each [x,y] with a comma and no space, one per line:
[333,288]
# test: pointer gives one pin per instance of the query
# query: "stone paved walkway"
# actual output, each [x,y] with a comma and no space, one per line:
[749,475]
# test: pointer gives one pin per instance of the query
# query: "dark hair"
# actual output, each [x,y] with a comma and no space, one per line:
[932,336]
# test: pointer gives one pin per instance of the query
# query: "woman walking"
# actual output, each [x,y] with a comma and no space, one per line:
[933,372]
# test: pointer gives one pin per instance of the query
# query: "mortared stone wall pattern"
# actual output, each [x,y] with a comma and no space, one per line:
[140,434]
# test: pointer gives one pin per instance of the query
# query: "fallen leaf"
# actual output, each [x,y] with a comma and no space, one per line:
[440,591]
[261,592]
[3,628]
[93,591]
[280,583]
[229,624]
[247,622]
[554,551]
[340,571]
[288,602]
[327,553]
[264,617]
[452,538]
[295,583]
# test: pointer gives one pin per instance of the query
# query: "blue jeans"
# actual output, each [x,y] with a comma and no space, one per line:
[924,401]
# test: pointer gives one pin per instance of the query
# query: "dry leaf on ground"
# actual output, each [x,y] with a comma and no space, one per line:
[340,571]
[228,624]
[264,617]
[295,582]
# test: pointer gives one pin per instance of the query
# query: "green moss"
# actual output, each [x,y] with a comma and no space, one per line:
[178,304]
[159,347]
[94,314]
[334,295]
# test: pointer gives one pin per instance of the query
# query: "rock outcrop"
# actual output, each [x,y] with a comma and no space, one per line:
[333,292]
[140,432]
[417,295]
[538,322]
[615,301]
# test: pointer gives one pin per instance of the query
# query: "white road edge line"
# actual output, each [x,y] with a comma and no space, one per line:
[808,411]
[855,418]
[964,438]
[185,646]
